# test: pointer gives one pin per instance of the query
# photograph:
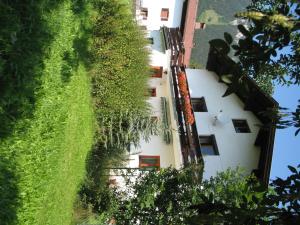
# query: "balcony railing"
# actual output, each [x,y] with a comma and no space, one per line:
[188,134]
[173,41]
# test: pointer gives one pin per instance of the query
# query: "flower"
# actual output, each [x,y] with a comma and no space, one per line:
[184,92]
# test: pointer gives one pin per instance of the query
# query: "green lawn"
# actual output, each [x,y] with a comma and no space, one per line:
[73,73]
[43,153]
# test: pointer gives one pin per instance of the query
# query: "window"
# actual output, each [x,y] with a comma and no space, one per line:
[199,104]
[200,26]
[148,162]
[156,71]
[164,15]
[241,126]
[150,40]
[144,13]
[208,145]
[152,92]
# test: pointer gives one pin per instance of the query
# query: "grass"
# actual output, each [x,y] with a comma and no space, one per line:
[70,71]
[43,154]
[120,72]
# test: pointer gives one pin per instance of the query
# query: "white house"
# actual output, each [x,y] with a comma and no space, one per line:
[220,131]
[155,14]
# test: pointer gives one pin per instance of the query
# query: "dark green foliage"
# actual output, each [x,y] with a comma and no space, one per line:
[47,49]
[267,76]
[24,39]
[231,186]
[159,197]
[280,205]
[9,192]
[276,28]
[46,118]
[119,76]
[179,197]
[120,59]
[119,70]
[95,192]
[289,119]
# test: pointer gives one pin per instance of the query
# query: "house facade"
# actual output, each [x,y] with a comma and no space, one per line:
[203,126]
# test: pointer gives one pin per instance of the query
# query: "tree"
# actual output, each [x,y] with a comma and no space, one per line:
[273,26]
[159,197]
[270,47]
[280,205]
[167,196]
[171,196]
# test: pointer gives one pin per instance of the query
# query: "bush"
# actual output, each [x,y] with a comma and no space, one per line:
[120,71]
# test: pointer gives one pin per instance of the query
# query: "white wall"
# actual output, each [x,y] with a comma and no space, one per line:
[158,56]
[154,7]
[235,149]
[170,154]
[156,146]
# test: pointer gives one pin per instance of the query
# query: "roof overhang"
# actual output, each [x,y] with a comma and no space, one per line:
[257,101]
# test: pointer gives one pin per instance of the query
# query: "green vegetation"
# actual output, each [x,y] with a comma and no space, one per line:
[46,112]
[232,199]
[70,71]
[268,51]
[119,75]
[153,197]
[171,196]
[119,72]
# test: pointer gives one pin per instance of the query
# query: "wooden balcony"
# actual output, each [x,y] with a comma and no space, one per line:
[188,134]
[173,41]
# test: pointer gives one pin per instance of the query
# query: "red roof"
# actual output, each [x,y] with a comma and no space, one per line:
[189,29]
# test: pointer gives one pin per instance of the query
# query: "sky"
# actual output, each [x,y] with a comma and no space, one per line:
[287,145]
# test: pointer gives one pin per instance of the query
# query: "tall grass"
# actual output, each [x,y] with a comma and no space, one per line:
[70,70]
[120,72]
[46,110]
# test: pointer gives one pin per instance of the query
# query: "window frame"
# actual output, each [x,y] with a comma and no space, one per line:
[147,166]
[212,142]
[150,40]
[239,129]
[202,103]
[163,18]
[152,92]
[144,13]
[156,71]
